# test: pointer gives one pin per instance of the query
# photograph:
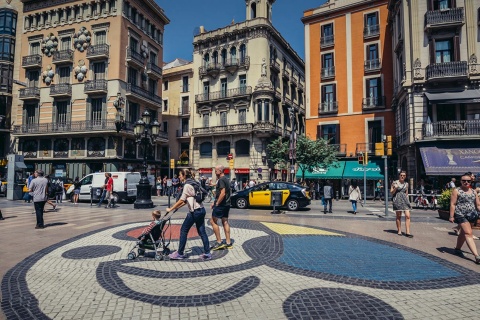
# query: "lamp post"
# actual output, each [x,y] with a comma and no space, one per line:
[145,133]
[293,143]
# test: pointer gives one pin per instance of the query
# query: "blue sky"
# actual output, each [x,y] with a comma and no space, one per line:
[185,15]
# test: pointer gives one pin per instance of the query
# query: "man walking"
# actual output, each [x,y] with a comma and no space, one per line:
[221,208]
[327,195]
[39,188]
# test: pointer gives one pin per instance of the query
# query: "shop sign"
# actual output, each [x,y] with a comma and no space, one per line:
[205,170]
[226,171]
[242,171]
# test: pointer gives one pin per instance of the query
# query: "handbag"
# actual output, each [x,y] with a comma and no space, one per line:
[471,216]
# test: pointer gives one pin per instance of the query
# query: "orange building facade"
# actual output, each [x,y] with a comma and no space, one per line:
[348,58]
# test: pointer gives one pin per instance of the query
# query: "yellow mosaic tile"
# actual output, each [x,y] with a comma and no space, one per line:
[284,229]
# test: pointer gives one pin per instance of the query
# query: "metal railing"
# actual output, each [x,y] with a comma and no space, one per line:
[274,64]
[451,128]
[371,30]
[135,56]
[328,72]
[264,126]
[131,88]
[373,102]
[184,110]
[365,147]
[152,67]
[63,55]
[71,126]
[246,127]
[328,107]
[340,148]
[444,16]
[96,85]
[326,41]
[98,50]
[181,133]
[223,94]
[237,62]
[447,69]
[373,64]
[61,89]
[31,92]
[32,60]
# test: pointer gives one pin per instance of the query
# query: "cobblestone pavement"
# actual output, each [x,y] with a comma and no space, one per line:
[302,265]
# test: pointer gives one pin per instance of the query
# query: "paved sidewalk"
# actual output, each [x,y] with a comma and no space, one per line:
[303,264]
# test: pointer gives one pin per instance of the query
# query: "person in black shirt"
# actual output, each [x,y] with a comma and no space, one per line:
[221,208]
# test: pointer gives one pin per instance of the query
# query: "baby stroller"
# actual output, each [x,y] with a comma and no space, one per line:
[155,240]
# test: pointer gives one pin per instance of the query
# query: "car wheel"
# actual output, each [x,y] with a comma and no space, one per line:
[241,203]
[292,205]
[116,198]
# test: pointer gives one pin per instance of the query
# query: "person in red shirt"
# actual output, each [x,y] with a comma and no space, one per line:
[109,188]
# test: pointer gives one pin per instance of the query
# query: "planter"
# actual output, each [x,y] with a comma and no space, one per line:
[443,214]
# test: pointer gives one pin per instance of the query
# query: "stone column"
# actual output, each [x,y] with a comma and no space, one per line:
[99,8]
[108,6]
[26,22]
[49,18]
[89,10]
[62,15]
[42,20]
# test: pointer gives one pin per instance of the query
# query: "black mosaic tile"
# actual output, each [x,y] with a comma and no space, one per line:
[90,252]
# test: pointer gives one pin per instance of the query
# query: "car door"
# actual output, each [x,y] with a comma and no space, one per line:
[283,188]
[260,195]
[85,188]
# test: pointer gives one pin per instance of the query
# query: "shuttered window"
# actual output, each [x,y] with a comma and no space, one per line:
[64,74]
[242,116]
[101,37]
[330,132]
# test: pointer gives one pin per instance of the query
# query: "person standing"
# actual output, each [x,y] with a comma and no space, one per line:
[39,188]
[378,190]
[28,197]
[76,190]
[354,195]
[327,196]
[451,184]
[59,189]
[104,191]
[109,188]
[175,185]
[401,204]
[221,209]
[159,186]
[464,204]
[51,194]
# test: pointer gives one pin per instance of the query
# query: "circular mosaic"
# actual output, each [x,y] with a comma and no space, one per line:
[90,252]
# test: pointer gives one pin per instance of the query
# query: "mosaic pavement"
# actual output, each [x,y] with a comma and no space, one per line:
[275,271]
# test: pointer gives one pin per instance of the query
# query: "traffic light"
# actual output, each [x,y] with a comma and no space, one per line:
[388,146]
[365,158]
[379,149]
[172,163]
[360,159]
[231,163]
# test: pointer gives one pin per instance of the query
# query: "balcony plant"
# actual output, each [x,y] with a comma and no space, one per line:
[444,204]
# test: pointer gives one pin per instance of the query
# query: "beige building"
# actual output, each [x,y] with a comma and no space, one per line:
[246,79]
[89,68]
[436,93]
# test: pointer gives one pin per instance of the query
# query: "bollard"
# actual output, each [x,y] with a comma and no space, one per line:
[336,195]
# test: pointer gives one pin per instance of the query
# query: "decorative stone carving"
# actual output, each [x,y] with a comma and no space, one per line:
[80,70]
[417,69]
[473,64]
[48,74]
[81,39]
[144,49]
[49,44]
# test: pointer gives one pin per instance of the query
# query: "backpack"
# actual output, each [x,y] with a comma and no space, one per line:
[58,188]
[51,190]
[200,193]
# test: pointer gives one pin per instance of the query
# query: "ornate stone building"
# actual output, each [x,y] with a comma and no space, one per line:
[247,78]
[90,69]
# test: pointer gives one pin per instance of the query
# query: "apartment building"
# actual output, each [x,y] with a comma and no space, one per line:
[89,71]
[178,98]
[436,87]
[249,89]
[349,78]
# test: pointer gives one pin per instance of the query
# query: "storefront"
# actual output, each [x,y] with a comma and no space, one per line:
[373,172]
[242,175]
[206,172]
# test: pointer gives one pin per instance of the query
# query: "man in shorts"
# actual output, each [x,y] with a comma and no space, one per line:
[221,208]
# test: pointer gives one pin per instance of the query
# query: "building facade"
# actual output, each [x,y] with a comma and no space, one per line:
[249,89]
[349,76]
[89,70]
[436,97]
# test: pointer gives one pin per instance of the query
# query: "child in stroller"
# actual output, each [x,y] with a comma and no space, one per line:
[152,238]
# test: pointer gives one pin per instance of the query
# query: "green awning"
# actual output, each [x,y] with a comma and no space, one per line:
[353,170]
[328,173]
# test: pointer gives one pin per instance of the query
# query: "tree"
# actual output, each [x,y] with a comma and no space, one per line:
[278,153]
[311,154]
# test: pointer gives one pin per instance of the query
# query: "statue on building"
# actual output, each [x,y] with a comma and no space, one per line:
[264,68]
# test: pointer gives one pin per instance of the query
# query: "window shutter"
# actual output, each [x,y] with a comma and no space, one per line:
[337,134]
[323,61]
[89,109]
[431,46]
[322,31]
[334,90]
[319,132]
[69,111]
[456,47]
[323,94]
[365,20]
[367,88]
[379,88]
[333,60]
[104,108]
[54,113]
[453,3]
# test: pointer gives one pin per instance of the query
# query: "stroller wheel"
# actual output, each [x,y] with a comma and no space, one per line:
[141,252]
[131,256]
[158,257]
[166,252]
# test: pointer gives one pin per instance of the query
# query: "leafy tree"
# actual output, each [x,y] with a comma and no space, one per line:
[278,153]
[313,154]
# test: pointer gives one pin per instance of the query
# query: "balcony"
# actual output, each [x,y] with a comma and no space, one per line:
[232,65]
[373,103]
[33,61]
[366,147]
[328,73]
[451,129]
[447,70]
[63,56]
[96,86]
[373,65]
[327,41]
[184,110]
[329,107]
[183,134]
[143,95]
[98,51]
[274,65]
[61,90]
[210,69]
[31,93]
[224,94]
[445,18]
[340,148]
[264,128]
[71,126]
[223,130]
[286,74]
[371,31]
[287,101]
[154,71]
[135,58]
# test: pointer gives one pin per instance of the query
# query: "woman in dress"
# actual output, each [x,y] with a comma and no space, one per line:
[464,204]
[401,204]
[354,195]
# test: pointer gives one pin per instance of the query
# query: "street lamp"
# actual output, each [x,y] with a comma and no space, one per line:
[292,146]
[145,133]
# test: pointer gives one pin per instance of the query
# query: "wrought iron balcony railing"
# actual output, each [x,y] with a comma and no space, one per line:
[133,89]
[373,102]
[100,85]
[447,16]
[98,50]
[328,72]
[223,94]
[135,56]
[29,93]
[63,56]
[341,148]
[152,68]
[328,107]
[274,64]
[447,69]
[34,60]
[371,30]
[70,126]
[235,128]
[264,126]
[368,147]
[452,129]
[61,89]
[373,65]
[326,41]
[183,134]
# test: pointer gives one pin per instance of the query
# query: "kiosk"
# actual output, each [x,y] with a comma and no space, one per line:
[15,177]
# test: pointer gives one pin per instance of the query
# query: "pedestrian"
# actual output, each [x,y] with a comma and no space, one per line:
[451,184]
[76,190]
[28,196]
[354,195]
[59,190]
[378,190]
[51,193]
[251,184]
[401,204]
[104,191]
[346,186]
[457,228]
[464,206]
[196,215]
[327,196]
[159,186]
[109,188]
[220,209]
[164,183]
[175,185]
[39,188]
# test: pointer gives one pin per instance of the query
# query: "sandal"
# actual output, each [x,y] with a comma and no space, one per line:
[477,259]
[408,235]
[399,234]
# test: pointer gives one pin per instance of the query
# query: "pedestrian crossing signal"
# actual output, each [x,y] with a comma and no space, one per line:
[172,163]
[379,149]
[388,146]
[360,159]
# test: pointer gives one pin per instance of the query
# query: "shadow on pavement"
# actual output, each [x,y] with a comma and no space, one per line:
[390,231]
[54,224]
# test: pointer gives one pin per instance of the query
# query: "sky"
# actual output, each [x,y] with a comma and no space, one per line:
[186,15]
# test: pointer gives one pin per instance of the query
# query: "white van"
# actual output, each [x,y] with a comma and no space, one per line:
[124,186]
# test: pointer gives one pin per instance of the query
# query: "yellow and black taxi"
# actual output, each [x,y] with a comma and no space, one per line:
[291,196]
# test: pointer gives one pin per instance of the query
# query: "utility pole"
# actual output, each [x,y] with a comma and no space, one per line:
[384,149]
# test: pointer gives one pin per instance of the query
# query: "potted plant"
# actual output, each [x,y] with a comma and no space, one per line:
[444,204]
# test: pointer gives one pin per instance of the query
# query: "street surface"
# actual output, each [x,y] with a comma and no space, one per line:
[303,264]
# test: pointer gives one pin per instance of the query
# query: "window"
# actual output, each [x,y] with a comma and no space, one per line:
[327,38]
[30,112]
[223,118]
[153,58]
[35,48]
[165,126]
[253,10]
[185,105]
[374,133]
[132,76]
[99,71]
[133,15]
[223,87]
[223,148]
[327,65]
[206,90]
[330,132]
[64,75]
[443,51]
[259,110]
[61,112]
[165,105]
[242,148]
[206,59]
[96,111]
[133,112]
[33,78]
[328,93]
[206,149]
[224,56]
[165,85]
[242,116]
[152,86]
[371,19]
[185,84]
[66,43]
[374,88]
[185,127]
[206,120]
[327,30]
[372,51]
[8,22]
[233,55]
[133,44]
[243,53]
[266,110]
[243,83]
[7,49]
[101,37]
[6,78]
[441,4]
[215,57]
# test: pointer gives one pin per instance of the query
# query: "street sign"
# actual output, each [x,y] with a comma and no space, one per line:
[169,182]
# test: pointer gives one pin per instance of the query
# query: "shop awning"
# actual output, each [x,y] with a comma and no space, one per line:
[328,173]
[353,170]
[465,96]
[441,161]
[20,165]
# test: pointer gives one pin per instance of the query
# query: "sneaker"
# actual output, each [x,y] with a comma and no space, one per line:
[54,207]
[176,256]
[39,227]
[228,246]
[206,256]
[218,246]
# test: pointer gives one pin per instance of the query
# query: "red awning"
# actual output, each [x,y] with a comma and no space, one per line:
[205,170]
[242,171]
[226,171]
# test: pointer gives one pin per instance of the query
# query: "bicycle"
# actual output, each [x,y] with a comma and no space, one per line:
[210,196]
[421,201]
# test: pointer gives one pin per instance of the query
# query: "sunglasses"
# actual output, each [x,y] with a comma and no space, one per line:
[403,175]
[467,181]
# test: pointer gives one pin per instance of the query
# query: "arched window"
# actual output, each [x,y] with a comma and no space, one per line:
[206,59]
[215,57]
[242,148]
[223,148]
[224,56]
[206,150]
[243,53]
[253,11]
[233,55]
